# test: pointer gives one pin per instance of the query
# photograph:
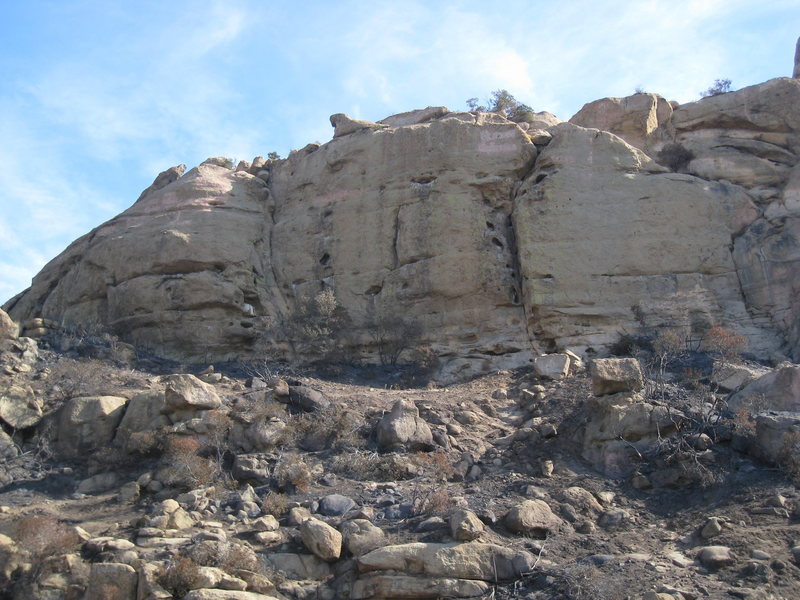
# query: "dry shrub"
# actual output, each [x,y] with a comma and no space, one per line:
[370,466]
[292,471]
[789,455]
[326,428]
[180,576]
[274,504]
[434,464]
[185,467]
[675,156]
[724,343]
[45,536]
[229,556]
[69,378]
[436,501]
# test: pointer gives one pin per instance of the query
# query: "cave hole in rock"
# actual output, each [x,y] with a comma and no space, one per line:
[540,177]
[326,258]
[497,242]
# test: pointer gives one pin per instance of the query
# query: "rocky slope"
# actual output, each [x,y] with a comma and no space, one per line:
[135,480]
[496,240]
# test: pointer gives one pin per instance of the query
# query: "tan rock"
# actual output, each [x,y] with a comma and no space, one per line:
[322,539]
[552,366]
[614,375]
[778,390]
[399,586]
[637,119]
[188,393]
[88,423]
[214,594]
[344,125]
[465,525]
[19,407]
[532,517]
[8,329]
[299,566]
[112,580]
[404,428]
[474,560]
[360,536]
[143,414]
[415,117]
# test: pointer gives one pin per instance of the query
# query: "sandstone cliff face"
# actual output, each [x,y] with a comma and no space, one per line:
[498,248]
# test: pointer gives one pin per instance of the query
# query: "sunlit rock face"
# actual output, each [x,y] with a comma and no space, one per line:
[494,247]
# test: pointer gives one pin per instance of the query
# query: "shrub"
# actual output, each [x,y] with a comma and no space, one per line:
[184,465]
[503,103]
[434,464]
[724,343]
[675,156]
[721,86]
[180,576]
[45,536]
[436,501]
[316,325]
[293,471]
[274,504]
[392,335]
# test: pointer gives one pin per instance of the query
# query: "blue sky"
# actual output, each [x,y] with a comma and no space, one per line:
[98,97]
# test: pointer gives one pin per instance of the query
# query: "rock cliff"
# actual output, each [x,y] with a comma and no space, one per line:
[497,240]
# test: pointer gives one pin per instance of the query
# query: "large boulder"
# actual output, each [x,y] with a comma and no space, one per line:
[638,119]
[8,329]
[620,427]
[20,407]
[473,560]
[614,375]
[88,423]
[402,586]
[532,517]
[186,393]
[404,428]
[321,539]
[778,390]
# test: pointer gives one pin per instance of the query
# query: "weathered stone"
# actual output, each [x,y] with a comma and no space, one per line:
[619,428]
[334,505]
[143,414]
[532,517]
[112,580]
[581,499]
[19,407]
[775,433]
[730,378]
[415,117]
[400,586]
[403,428]
[299,566]
[360,536]
[614,375]
[637,119]
[212,577]
[188,393]
[778,390]
[465,525]
[8,449]
[344,125]
[473,560]
[8,329]
[322,539]
[213,594]
[552,366]
[307,398]
[87,423]
[715,557]
[95,484]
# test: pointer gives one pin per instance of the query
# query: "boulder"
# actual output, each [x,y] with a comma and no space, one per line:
[87,423]
[715,557]
[307,398]
[404,428]
[552,366]
[299,566]
[620,427]
[19,407]
[335,505]
[401,586]
[112,580]
[323,540]
[415,117]
[614,375]
[144,413]
[778,390]
[8,449]
[775,434]
[186,393]
[214,594]
[8,329]
[465,525]
[344,125]
[532,517]
[360,536]
[638,119]
[474,560]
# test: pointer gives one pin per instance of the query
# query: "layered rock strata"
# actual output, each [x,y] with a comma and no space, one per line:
[495,247]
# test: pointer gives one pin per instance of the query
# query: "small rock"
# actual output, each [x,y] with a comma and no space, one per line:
[335,505]
[715,557]
[465,525]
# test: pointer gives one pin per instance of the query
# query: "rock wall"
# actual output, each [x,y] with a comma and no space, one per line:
[496,246]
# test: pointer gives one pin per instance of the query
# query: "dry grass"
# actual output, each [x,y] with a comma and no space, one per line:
[292,471]
[180,576]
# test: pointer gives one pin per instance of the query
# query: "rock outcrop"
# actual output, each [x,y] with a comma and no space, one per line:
[494,247]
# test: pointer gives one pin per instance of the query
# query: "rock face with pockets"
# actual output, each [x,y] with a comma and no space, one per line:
[495,241]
